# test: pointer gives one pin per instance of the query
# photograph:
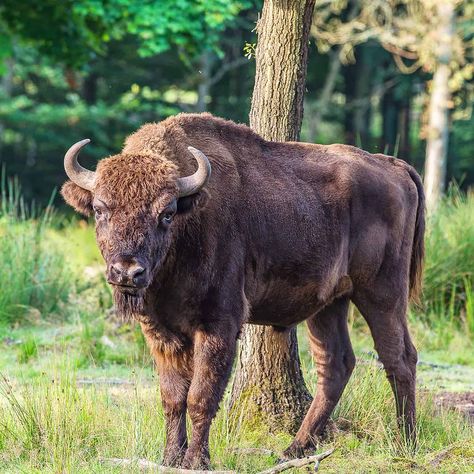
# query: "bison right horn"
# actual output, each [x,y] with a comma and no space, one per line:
[192,184]
[83,177]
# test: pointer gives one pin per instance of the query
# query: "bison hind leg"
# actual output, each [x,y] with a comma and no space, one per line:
[386,317]
[335,361]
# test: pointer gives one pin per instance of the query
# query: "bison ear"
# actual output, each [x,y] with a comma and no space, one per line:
[189,203]
[80,199]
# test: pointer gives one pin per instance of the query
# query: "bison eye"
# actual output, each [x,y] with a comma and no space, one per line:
[167,218]
[98,213]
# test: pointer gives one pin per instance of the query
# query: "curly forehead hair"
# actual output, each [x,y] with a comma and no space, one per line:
[128,178]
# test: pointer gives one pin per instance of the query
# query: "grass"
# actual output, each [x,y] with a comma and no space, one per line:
[449,268]
[77,386]
[56,425]
[34,276]
[27,350]
[67,407]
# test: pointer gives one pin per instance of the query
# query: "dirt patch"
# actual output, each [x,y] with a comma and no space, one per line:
[462,402]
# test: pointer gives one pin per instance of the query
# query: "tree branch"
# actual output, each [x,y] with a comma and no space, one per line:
[316,459]
[144,464]
[225,68]
[400,51]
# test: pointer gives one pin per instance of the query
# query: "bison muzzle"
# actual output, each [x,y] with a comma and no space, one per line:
[279,234]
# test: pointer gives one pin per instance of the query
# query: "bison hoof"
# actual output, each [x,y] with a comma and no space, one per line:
[296,451]
[173,458]
[194,460]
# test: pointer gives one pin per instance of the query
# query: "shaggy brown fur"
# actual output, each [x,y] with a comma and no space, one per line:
[282,233]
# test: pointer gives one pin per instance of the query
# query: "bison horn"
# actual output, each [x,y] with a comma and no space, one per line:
[192,184]
[76,173]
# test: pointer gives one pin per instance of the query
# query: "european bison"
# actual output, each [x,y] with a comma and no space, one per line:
[279,233]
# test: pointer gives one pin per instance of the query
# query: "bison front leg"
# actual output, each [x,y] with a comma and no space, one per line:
[213,356]
[174,386]
[175,372]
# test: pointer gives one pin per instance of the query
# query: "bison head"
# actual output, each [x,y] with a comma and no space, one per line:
[135,199]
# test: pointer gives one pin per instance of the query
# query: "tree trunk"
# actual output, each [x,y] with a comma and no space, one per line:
[6,86]
[389,121]
[322,104]
[404,127]
[438,129]
[204,86]
[268,372]
[281,57]
[89,88]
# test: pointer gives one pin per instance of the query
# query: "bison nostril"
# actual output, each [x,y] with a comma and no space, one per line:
[116,270]
[138,275]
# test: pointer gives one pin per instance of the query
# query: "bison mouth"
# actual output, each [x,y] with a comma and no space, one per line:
[128,290]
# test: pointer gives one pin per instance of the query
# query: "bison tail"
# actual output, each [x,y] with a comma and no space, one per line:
[418,249]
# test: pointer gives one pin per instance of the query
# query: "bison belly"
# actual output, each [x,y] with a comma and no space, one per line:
[283,305]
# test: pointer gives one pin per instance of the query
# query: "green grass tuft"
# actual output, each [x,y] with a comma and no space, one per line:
[27,350]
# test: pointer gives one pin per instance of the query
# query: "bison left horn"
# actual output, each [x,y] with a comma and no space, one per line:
[76,173]
[192,184]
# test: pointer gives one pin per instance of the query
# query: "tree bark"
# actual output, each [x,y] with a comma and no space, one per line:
[281,57]
[438,127]
[268,374]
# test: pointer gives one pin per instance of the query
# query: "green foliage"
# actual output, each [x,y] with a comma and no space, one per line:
[72,31]
[250,50]
[107,89]
[374,422]
[6,50]
[55,29]
[52,421]
[469,307]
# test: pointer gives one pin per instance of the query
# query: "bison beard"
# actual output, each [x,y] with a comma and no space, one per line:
[129,306]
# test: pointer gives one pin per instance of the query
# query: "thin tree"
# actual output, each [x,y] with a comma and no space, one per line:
[268,372]
[438,123]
